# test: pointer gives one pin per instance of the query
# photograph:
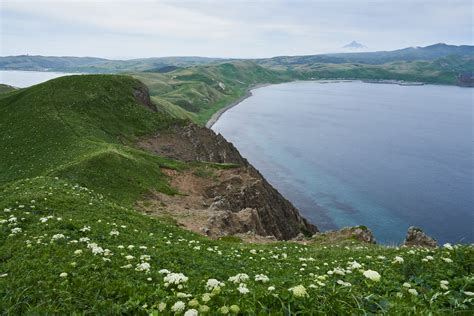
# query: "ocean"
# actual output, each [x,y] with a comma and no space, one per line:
[353,153]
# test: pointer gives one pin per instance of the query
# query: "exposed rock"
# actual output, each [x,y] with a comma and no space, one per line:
[360,233]
[142,95]
[239,199]
[417,238]
[364,234]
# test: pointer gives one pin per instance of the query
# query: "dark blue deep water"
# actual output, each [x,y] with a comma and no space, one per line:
[353,153]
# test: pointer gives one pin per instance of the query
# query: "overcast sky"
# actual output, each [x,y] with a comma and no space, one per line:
[132,29]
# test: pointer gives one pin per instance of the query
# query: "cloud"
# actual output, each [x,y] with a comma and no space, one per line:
[226,28]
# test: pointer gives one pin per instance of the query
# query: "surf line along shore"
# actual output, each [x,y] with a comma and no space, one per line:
[247,94]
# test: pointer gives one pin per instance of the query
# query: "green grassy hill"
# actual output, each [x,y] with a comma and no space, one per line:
[78,128]
[6,88]
[200,91]
[71,241]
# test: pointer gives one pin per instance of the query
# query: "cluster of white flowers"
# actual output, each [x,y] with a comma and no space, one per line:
[443,284]
[57,237]
[114,232]
[261,278]
[191,312]
[85,229]
[354,265]
[45,219]
[343,283]
[213,284]
[413,292]
[372,275]
[299,291]
[239,278]
[96,250]
[448,246]
[144,266]
[179,306]
[175,279]
[398,259]
[243,288]
[16,230]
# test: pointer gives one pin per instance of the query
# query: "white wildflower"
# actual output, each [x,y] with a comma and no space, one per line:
[144,266]
[372,275]
[175,278]
[191,312]
[243,288]
[85,229]
[239,278]
[261,278]
[299,291]
[346,284]
[179,306]
[413,292]
[57,237]
[16,230]
[448,246]
[212,284]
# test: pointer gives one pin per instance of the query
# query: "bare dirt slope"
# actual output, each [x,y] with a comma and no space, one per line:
[219,201]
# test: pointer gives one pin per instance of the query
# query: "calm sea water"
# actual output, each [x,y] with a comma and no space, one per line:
[22,79]
[353,153]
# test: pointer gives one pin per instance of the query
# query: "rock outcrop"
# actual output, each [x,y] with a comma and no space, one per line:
[142,95]
[360,233]
[417,238]
[239,199]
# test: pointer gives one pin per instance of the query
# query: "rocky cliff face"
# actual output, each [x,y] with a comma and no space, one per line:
[235,200]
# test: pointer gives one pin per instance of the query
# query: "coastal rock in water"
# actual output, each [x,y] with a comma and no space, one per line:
[241,200]
[417,238]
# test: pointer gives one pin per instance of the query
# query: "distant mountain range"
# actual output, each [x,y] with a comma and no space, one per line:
[100,65]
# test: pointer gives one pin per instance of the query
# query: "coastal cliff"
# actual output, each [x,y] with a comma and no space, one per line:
[235,200]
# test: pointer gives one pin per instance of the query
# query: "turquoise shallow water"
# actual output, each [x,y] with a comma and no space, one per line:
[353,153]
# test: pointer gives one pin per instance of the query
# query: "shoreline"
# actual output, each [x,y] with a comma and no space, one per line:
[215,117]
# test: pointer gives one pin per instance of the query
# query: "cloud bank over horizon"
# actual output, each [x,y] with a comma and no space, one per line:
[241,29]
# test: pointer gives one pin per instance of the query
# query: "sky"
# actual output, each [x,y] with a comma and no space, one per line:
[227,28]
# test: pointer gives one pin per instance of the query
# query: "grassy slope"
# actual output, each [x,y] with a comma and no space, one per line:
[112,283]
[66,165]
[195,92]
[4,88]
[76,127]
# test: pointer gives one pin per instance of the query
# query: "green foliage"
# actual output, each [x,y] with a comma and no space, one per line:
[50,229]
[198,92]
[70,241]
[78,128]
[4,88]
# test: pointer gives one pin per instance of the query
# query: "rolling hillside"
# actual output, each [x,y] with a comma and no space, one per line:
[77,128]
[73,240]
[200,91]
